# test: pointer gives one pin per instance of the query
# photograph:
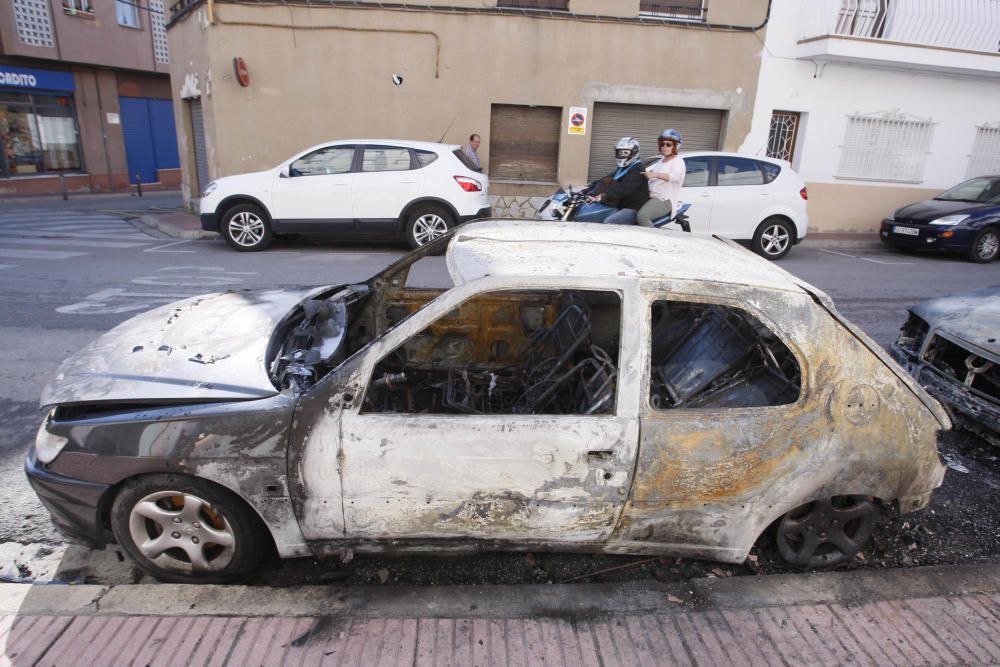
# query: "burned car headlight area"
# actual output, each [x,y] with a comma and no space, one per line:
[578,388]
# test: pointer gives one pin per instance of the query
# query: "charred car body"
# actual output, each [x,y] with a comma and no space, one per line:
[950,346]
[580,388]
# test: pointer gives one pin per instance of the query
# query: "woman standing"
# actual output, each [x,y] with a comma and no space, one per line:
[665,179]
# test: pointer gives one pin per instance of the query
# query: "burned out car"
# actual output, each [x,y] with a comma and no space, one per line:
[950,346]
[579,388]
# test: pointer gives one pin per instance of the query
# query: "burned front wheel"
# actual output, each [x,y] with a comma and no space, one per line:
[185,530]
[826,532]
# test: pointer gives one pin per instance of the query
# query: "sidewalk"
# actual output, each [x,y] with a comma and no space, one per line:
[920,616]
[182,225]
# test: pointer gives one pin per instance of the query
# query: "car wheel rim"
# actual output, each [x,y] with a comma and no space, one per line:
[181,532]
[246,229]
[988,246]
[774,240]
[428,227]
[826,532]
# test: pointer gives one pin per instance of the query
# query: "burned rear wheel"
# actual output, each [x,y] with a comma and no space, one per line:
[826,532]
[185,530]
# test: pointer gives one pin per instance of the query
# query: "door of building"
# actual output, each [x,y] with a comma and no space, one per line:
[701,129]
[150,137]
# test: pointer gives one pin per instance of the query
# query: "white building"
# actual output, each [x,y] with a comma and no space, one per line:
[879,103]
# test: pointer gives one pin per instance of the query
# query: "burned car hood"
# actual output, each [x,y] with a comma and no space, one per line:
[206,348]
[972,316]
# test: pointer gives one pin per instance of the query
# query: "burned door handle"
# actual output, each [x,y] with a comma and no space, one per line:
[600,453]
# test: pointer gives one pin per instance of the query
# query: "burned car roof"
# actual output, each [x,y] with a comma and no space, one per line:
[973,316]
[543,248]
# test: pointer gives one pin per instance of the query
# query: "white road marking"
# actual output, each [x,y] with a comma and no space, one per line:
[160,248]
[18,253]
[74,242]
[864,259]
[99,303]
[7,266]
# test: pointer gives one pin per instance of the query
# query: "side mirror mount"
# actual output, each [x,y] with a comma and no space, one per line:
[283,172]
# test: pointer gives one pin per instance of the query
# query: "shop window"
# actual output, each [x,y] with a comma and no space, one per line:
[38,134]
[127,13]
[524,142]
[549,352]
[711,356]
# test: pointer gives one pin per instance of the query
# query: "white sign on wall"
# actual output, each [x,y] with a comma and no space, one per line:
[113,119]
[576,122]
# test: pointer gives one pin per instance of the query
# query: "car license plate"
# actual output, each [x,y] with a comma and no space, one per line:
[907,231]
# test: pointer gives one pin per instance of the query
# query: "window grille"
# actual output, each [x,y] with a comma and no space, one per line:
[693,10]
[158,24]
[781,139]
[34,25]
[985,158]
[885,147]
[127,12]
[557,5]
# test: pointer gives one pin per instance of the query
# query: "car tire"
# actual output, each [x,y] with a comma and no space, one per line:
[773,238]
[246,228]
[826,532]
[426,223]
[985,247]
[186,530]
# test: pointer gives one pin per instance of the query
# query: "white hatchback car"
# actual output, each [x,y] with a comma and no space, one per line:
[746,198]
[350,189]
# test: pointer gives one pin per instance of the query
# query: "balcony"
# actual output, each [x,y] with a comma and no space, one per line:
[953,36]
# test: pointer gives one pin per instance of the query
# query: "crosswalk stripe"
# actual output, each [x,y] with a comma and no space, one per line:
[20,253]
[83,243]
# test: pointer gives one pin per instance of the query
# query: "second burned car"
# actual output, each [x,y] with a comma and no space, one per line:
[579,388]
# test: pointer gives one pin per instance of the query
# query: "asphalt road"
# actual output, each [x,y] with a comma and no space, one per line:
[72,270]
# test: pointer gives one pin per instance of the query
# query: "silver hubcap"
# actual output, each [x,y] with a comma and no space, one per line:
[774,240]
[988,246]
[182,533]
[428,227]
[246,229]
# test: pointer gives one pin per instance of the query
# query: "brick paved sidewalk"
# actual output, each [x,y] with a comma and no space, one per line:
[921,616]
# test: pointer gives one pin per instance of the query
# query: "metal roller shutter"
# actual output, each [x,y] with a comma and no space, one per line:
[524,142]
[701,129]
[200,150]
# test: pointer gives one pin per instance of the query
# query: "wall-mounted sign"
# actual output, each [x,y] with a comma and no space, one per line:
[577,122]
[242,73]
[114,119]
[29,78]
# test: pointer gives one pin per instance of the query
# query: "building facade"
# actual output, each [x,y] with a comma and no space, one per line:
[85,95]
[550,85]
[879,103]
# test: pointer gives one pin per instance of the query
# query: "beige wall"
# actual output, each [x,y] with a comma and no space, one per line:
[835,207]
[331,77]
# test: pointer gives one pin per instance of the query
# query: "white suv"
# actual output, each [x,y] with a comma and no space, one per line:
[750,198]
[352,189]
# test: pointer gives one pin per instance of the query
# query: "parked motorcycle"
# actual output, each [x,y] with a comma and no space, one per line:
[577,205]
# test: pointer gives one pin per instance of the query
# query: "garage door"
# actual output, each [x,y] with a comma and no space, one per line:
[150,137]
[701,129]
[524,142]
[200,150]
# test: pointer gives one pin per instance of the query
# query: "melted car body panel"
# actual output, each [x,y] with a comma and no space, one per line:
[205,348]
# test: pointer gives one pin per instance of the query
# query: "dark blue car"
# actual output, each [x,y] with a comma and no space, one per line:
[965,218]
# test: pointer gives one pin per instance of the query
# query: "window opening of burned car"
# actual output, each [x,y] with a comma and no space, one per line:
[713,356]
[506,353]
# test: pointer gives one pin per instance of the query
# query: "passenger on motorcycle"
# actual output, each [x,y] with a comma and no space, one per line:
[625,188]
[665,179]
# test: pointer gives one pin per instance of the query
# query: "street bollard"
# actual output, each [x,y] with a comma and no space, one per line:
[62,186]
[138,184]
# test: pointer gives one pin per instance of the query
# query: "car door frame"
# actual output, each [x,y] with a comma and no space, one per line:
[389,224]
[341,185]
[700,197]
[746,226]
[321,465]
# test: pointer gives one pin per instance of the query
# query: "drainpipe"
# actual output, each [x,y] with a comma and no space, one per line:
[104,132]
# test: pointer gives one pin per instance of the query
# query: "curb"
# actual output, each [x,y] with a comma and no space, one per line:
[174,231]
[529,601]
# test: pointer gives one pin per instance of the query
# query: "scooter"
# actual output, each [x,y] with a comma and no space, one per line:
[577,205]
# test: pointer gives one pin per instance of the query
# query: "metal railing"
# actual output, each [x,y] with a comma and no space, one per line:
[972,25]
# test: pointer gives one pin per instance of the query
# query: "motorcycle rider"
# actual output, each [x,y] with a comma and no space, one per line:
[665,179]
[625,188]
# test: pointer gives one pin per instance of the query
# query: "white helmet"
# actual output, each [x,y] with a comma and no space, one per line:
[626,151]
